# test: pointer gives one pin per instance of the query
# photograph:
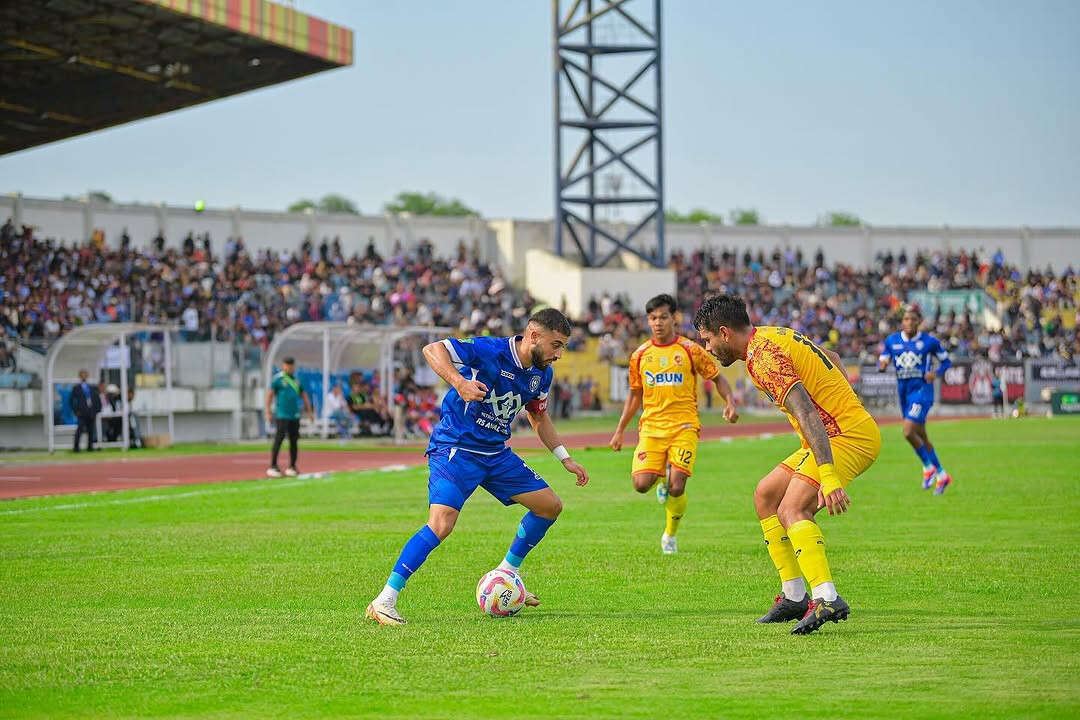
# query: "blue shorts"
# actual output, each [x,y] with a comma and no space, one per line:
[915,403]
[454,474]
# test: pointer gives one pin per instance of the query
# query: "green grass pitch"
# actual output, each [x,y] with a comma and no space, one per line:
[247,600]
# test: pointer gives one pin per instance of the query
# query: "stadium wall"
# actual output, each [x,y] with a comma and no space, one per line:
[506,242]
[560,282]
[76,220]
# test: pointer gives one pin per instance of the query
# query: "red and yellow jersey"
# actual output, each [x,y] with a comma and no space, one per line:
[777,358]
[667,378]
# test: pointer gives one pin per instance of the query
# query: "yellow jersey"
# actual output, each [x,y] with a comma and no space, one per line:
[667,377]
[777,358]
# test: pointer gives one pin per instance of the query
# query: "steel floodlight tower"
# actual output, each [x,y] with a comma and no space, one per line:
[603,49]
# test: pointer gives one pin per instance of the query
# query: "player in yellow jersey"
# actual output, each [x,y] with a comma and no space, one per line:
[840,440]
[663,380]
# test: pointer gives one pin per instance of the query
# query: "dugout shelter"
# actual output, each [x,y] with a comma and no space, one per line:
[337,346]
[93,347]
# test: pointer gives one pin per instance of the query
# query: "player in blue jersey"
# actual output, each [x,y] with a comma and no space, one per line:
[491,379]
[912,353]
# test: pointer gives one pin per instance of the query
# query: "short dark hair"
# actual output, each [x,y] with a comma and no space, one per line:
[659,301]
[551,319]
[288,361]
[722,310]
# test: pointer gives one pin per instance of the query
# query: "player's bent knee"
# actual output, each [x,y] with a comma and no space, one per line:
[677,486]
[764,503]
[442,523]
[551,509]
[643,483]
[790,513]
[767,499]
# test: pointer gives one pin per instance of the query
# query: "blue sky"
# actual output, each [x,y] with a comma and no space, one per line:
[958,112]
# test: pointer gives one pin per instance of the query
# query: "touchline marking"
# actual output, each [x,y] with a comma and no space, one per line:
[20,478]
[306,479]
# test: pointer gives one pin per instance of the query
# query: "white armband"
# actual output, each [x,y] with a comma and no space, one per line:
[560,453]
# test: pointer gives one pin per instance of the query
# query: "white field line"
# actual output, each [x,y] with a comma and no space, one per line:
[305,479]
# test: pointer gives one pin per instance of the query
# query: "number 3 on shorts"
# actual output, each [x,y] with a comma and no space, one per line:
[916,408]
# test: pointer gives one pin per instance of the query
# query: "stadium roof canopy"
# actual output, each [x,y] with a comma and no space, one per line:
[69,67]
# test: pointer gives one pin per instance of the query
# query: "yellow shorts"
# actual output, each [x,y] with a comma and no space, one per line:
[653,454]
[853,452]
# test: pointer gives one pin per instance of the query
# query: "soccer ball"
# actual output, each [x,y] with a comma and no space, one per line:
[500,593]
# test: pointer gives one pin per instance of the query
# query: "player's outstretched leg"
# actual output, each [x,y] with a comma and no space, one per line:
[544,507]
[441,519]
[793,600]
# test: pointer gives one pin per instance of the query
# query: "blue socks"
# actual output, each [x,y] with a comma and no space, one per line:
[933,458]
[529,534]
[924,455]
[413,556]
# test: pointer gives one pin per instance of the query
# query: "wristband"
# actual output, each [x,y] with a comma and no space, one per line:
[560,453]
[829,479]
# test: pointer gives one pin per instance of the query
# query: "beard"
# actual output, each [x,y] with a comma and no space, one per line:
[726,356]
[538,359]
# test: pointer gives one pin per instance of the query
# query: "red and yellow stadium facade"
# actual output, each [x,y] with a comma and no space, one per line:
[271,22]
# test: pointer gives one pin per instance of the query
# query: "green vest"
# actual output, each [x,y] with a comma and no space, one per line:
[287,401]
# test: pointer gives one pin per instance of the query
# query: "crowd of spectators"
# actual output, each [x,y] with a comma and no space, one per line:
[851,311]
[47,288]
[237,294]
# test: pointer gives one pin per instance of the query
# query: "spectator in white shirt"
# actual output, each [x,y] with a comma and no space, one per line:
[336,409]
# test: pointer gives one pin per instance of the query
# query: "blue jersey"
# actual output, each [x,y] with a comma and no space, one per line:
[913,357]
[484,426]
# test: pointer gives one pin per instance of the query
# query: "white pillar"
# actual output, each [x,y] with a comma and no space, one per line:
[124,364]
[168,380]
[325,380]
[47,402]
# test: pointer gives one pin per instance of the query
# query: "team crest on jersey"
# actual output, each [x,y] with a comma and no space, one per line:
[663,361]
[678,359]
[918,345]
[534,383]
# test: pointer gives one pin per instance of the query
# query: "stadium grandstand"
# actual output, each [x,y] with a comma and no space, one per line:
[75,66]
[234,294]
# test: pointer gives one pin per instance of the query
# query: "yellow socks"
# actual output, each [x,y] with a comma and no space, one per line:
[809,546]
[674,508]
[780,549]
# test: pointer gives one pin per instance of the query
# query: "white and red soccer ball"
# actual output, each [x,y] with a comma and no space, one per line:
[500,593]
